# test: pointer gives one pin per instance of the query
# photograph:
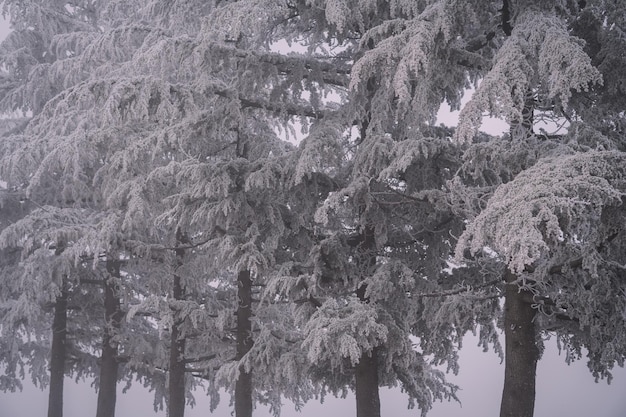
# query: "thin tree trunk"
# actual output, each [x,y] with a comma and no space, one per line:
[107,394]
[176,388]
[521,352]
[243,387]
[57,356]
[366,371]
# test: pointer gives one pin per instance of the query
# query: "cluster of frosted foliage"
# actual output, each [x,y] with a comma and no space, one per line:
[47,18]
[41,53]
[234,21]
[403,154]
[342,329]
[556,203]
[403,55]
[373,156]
[540,52]
[84,232]
[347,14]
[320,151]
[356,191]
[46,225]
[81,130]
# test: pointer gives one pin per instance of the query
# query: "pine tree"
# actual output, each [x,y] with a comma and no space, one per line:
[365,245]
[538,183]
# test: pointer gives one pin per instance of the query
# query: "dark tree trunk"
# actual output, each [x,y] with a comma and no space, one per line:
[243,387]
[107,394]
[366,391]
[176,388]
[57,356]
[366,371]
[521,352]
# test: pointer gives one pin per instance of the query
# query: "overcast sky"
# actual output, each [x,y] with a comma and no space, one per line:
[561,390]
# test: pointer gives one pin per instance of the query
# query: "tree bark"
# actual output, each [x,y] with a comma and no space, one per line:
[366,371]
[57,355]
[176,388]
[107,394]
[243,387]
[521,352]
[366,391]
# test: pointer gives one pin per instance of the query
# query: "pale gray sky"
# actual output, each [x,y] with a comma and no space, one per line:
[561,391]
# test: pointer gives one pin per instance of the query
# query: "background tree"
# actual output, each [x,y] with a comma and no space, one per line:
[144,109]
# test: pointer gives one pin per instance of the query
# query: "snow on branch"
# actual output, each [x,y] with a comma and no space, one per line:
[347,327]
[556,203]
[540,51]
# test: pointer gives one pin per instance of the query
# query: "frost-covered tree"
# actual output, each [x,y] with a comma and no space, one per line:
[39,290]
[142,111]
[56,174]
[43,302]
[557,228]
[529,187]
[384,234]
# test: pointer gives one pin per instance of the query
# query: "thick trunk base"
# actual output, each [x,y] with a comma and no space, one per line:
[521,352]
[366,371]
[366,375]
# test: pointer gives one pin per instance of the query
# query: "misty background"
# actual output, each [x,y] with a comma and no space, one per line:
[562,390]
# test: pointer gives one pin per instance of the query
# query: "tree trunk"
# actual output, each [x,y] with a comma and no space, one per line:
[521,352]
[243,387]
[107,394]
[57,356]
[366,371]
[176,388]
[366,391]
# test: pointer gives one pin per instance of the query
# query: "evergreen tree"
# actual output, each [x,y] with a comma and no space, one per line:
[538,183]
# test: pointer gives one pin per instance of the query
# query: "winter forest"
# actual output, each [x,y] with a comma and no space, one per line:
[252,200]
